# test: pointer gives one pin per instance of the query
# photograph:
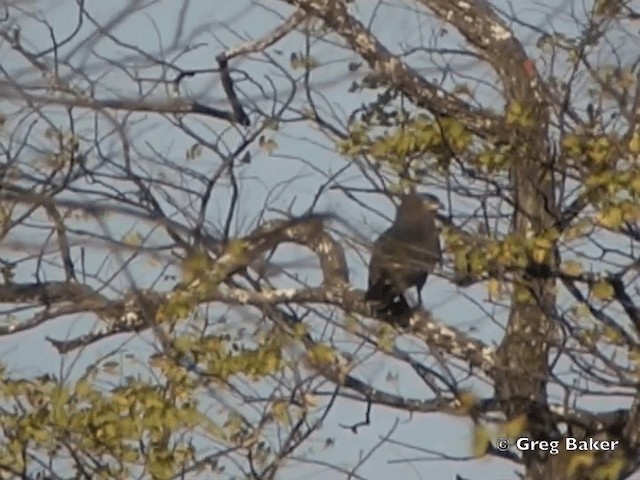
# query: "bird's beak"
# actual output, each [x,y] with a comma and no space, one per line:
[434,207]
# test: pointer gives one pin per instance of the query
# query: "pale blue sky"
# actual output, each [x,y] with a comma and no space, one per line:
[206,24]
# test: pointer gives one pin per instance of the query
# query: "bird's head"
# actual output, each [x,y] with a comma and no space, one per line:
[431,202]
[420,202]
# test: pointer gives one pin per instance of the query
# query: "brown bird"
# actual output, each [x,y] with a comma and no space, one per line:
[405,254]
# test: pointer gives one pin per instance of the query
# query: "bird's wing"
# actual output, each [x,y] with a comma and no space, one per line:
[382,269]
[438,246]
[436,229]
[431,251]
[379,253]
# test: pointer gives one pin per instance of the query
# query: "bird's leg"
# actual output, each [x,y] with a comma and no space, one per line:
[399,307]
[402,301]
[419,297]
[400,312]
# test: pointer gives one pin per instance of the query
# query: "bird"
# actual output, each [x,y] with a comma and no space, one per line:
[403,255]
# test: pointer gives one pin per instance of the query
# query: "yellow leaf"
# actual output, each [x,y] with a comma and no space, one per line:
[481,441]
[132,239]
[267,144]
[580,229]
[300,330]
[523,295]
[611,218]
[599,149]
[633,355]
[309,401]
[279,411]
[515,427]
[572,145]
[320,355]
[237,248]
[351,324]
[494,288]
[578,462]
[82,389]
[634,143]
[602,290]
[194,266]
[270,363]
[571,267]
[612,335]
[386,337]
[607,8]
[630,212]
[467,401]
[518,115]
[539,255]
[612,469]
[581,310]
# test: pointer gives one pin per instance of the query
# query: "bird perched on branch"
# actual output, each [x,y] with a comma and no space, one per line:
[405,254]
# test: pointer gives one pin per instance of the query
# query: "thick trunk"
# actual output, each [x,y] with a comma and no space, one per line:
[523,364]
[523,356]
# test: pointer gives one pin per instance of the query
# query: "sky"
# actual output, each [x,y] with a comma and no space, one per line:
[284,180]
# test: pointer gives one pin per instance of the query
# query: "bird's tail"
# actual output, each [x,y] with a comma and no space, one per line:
[380,292]
[387,303]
